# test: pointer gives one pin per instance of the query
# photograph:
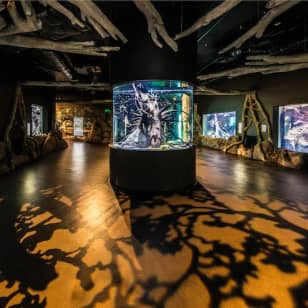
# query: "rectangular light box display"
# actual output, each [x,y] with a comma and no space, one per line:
[78,126]
[219,125]
[36,120]
[293,128]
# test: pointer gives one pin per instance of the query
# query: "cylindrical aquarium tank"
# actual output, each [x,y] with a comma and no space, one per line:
[153,115]
[152,135]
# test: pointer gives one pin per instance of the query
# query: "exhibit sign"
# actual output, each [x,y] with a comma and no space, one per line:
[78,126]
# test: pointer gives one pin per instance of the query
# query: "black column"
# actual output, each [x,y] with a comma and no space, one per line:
[140,58]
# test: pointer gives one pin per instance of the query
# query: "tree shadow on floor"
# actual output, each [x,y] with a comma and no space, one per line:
[193,248]
[243,250]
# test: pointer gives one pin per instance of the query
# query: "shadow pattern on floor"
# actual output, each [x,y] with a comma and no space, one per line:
[202,247]
[243,252]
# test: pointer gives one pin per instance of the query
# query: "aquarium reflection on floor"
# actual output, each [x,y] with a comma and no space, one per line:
[153,115]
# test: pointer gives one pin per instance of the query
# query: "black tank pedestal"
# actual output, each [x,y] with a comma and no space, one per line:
[152,170]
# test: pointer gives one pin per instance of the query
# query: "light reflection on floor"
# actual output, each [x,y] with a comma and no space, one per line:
[238,239]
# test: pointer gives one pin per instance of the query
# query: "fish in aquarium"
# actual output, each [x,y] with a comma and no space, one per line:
[153,115]
[219,125]
[293,127]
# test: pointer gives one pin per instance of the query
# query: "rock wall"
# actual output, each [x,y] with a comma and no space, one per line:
[97,124]
[33,148]
[16,148]
[281,157]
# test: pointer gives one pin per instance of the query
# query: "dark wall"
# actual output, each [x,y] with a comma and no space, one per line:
[140,58]
[273,90]
[7,93]
[41,96]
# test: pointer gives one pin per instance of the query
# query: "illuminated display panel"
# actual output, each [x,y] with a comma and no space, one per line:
[37,127]
[219,125]
[293,128]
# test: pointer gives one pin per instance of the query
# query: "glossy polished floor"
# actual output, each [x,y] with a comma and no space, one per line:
[238,239]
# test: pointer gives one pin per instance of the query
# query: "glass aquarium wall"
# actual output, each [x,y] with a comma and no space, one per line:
[293,128]
[219,125]
[153,114]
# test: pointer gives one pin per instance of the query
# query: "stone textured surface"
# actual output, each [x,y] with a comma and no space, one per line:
[268,150]
[214,143]
[245,152]
[97,124]
[219,143]
[281,157]
[290,159]
[53,142]
[33,148]
[100,132]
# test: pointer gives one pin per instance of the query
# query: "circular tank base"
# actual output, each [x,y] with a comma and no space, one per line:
[148,170]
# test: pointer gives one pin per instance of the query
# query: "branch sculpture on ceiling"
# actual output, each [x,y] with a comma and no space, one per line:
[217,12]
[2,20]
[155,24]
[90,12]
[64,11]
[83,48]
[278,8]
[20,25]
[247,70]
[204,90]
[98,86]
[10,34]
[272,3]
[270,60]
[263,64]
[100,22]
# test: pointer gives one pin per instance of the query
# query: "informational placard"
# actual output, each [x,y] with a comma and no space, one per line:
[78,126]
[240,127]
[263,128]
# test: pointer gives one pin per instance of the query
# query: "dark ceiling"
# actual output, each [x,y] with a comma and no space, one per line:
[286,35]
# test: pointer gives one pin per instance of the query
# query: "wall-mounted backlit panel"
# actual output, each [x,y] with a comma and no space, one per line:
[219,125]
[293,127]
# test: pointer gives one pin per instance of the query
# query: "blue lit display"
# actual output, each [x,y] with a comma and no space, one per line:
[219,125]
[153,114]
[293,127]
